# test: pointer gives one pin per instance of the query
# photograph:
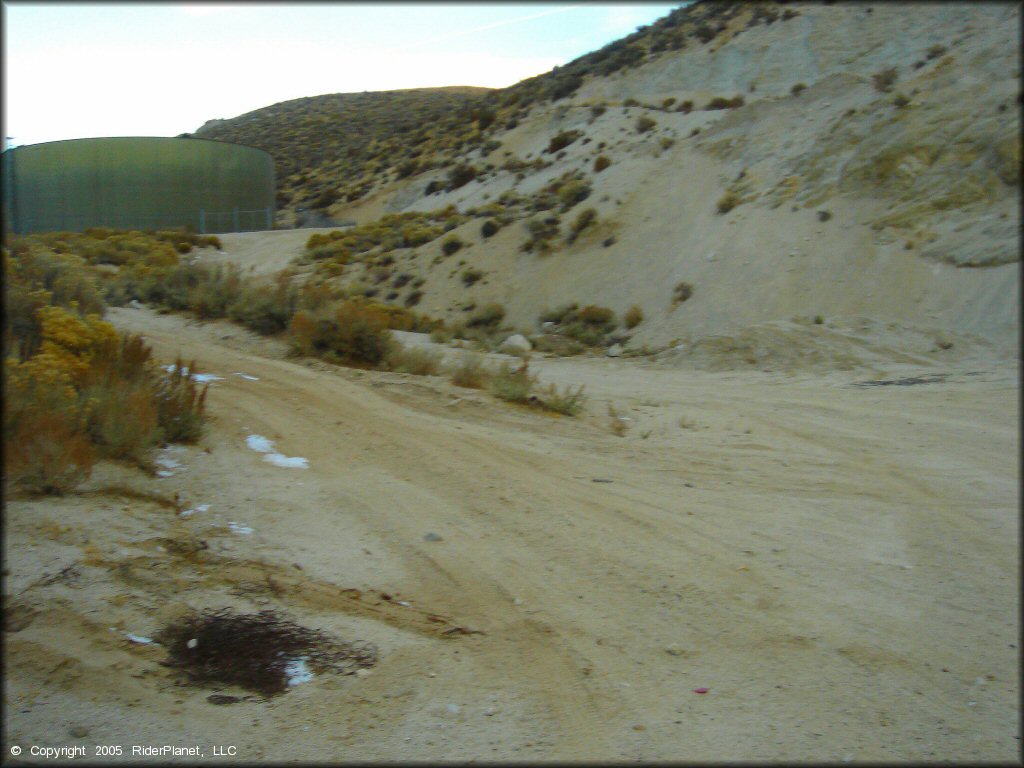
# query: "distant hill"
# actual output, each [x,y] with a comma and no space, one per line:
[769,162]
[332,147]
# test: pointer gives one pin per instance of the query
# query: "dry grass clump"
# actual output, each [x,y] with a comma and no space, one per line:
[681,293]
[350,332]
[720,102]
[81,392]
[633,317]
[589,325]
[883,80]
[601,162]
[727,202]
[645,124]
[470,372]
[255,651]
[518,385]
[586,218]
[419,362]
[562,140]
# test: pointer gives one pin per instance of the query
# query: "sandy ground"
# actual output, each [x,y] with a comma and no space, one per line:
[837,564]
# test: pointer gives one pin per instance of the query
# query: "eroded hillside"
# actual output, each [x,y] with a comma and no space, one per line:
[783,163]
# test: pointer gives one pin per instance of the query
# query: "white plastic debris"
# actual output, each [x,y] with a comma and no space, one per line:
[297,672]
[138,639]
[198,508]
[201,378]
[291,462]
[247,377]
[259,443]
[263,445]
[239,528]
[192,643]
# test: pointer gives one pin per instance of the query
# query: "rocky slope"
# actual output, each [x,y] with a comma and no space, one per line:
[865,162]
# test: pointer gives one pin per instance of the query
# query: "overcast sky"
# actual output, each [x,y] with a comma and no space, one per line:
[77,70]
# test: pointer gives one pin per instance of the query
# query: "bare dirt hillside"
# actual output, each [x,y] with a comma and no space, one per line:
[887,187]
[763,566]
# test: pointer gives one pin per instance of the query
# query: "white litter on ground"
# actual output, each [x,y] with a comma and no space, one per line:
[259,443]
[247,377]
[138,639]
[202,378]
[263,445]
[197,508]
[297,671]
[239,528]
[280,460]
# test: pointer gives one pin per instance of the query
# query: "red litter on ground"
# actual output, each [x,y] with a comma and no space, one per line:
[701,690]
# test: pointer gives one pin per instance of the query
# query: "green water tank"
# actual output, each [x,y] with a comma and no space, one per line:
[137,183]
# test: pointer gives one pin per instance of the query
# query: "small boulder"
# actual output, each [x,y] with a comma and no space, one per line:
[615,350]
[516,344]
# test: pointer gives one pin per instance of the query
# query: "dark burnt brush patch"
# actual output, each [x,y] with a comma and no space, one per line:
[255,651]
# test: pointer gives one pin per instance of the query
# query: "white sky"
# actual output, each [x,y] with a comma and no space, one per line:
[78,70]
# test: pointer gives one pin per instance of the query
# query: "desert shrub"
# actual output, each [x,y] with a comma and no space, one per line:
[451,245]
[268,308]
[596,110]
[514,385]
[645,124]
[681,293]
[883,80]
[470,276]
[488,316]
[705,33]
[489,228]
[567,402]
[685,107]
[347,332]
[573,192]
[719,102]
[413,298]
[601,162]
[181,404]
[935,51]
[796,89]
[727,202]
[441,335]
[419,362]
[586,218]
[460,175]
[633,317]
[666,103]
[542,231]
[824,215]
[667,142]
[123,420]
[47,452]
[900,101]
[470,372]
[562,140]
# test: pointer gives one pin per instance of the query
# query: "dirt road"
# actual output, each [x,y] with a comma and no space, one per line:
[837,565]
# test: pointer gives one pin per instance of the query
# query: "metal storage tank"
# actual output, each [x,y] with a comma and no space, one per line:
[138,183]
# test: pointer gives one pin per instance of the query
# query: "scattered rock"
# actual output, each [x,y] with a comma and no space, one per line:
[79,731]
[515,344]
[433,537]
[615,350]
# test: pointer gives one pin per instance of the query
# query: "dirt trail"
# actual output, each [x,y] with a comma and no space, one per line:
[836,564]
